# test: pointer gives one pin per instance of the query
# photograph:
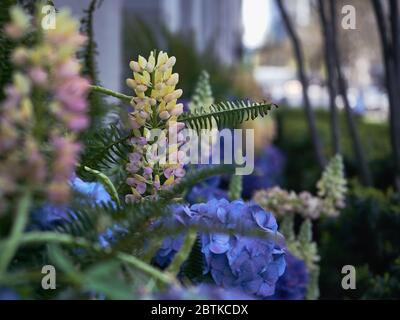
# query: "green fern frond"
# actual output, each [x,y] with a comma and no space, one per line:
[106,148]
[193,266]
[226,114]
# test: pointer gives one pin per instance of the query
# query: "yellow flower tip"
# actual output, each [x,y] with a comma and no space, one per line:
[173,95]
[131,83]
[169,181]
[151,63]
[173,80]
[142,62]
[162,58]
[171,62]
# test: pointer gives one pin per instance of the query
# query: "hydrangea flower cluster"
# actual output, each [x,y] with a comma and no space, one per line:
[155,107]
[48,216]
[330,199]
[44,109]
[246,263]
[202,292]
[293,283]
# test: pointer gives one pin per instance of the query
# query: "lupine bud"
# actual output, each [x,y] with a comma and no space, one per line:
[151,63]
[164,115]
[178,110]
[173,80]
[141,88]
[142,62]
[170,62]
[173,95]
[131,83]
[135,66]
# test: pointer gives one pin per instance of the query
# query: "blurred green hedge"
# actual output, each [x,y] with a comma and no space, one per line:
[302,171]
[367,236]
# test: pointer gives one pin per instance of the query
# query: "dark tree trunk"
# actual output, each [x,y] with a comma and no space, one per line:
[330,68]
[342,86]
[304,81]
[390,57]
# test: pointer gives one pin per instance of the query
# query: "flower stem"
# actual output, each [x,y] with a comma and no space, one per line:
[53,237]
[111,93]
[163,277]
[17,230]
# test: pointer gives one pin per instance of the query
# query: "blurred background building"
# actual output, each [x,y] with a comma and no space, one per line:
[248,31]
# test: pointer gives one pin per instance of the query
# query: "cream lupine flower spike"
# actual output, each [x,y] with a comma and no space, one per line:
[155,107]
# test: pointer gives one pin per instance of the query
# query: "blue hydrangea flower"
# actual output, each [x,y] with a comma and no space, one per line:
[293,283]
[8,294]
[203,292]
[49,216]
[268,171]
[92,190]
[203,193]
[251,264]
[171,245]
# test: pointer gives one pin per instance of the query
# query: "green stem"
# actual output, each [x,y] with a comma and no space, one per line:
[111,93]
[50,237]
[17,230]
[163,277]
[53,237]
[184,253]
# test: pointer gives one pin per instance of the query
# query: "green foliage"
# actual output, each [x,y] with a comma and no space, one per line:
[202,97]
[235,187]
[294,140]
[225,114]
[366,233]
[184,252]
[193,267]
[386,286]
[106,148]
[106,182]
[302,246]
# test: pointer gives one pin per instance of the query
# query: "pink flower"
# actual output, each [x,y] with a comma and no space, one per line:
[38,75]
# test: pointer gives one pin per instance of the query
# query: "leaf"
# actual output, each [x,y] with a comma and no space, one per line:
[193,267]
[106,148]
[106,182]
[183,253]
[225,114]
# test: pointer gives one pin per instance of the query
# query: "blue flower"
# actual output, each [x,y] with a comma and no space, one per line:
[49,216]
[202,292]
[246,263]
[204,193]
[268,170]
[8,294]
[92,190]
[252,264]
[181,217]
[293,283]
